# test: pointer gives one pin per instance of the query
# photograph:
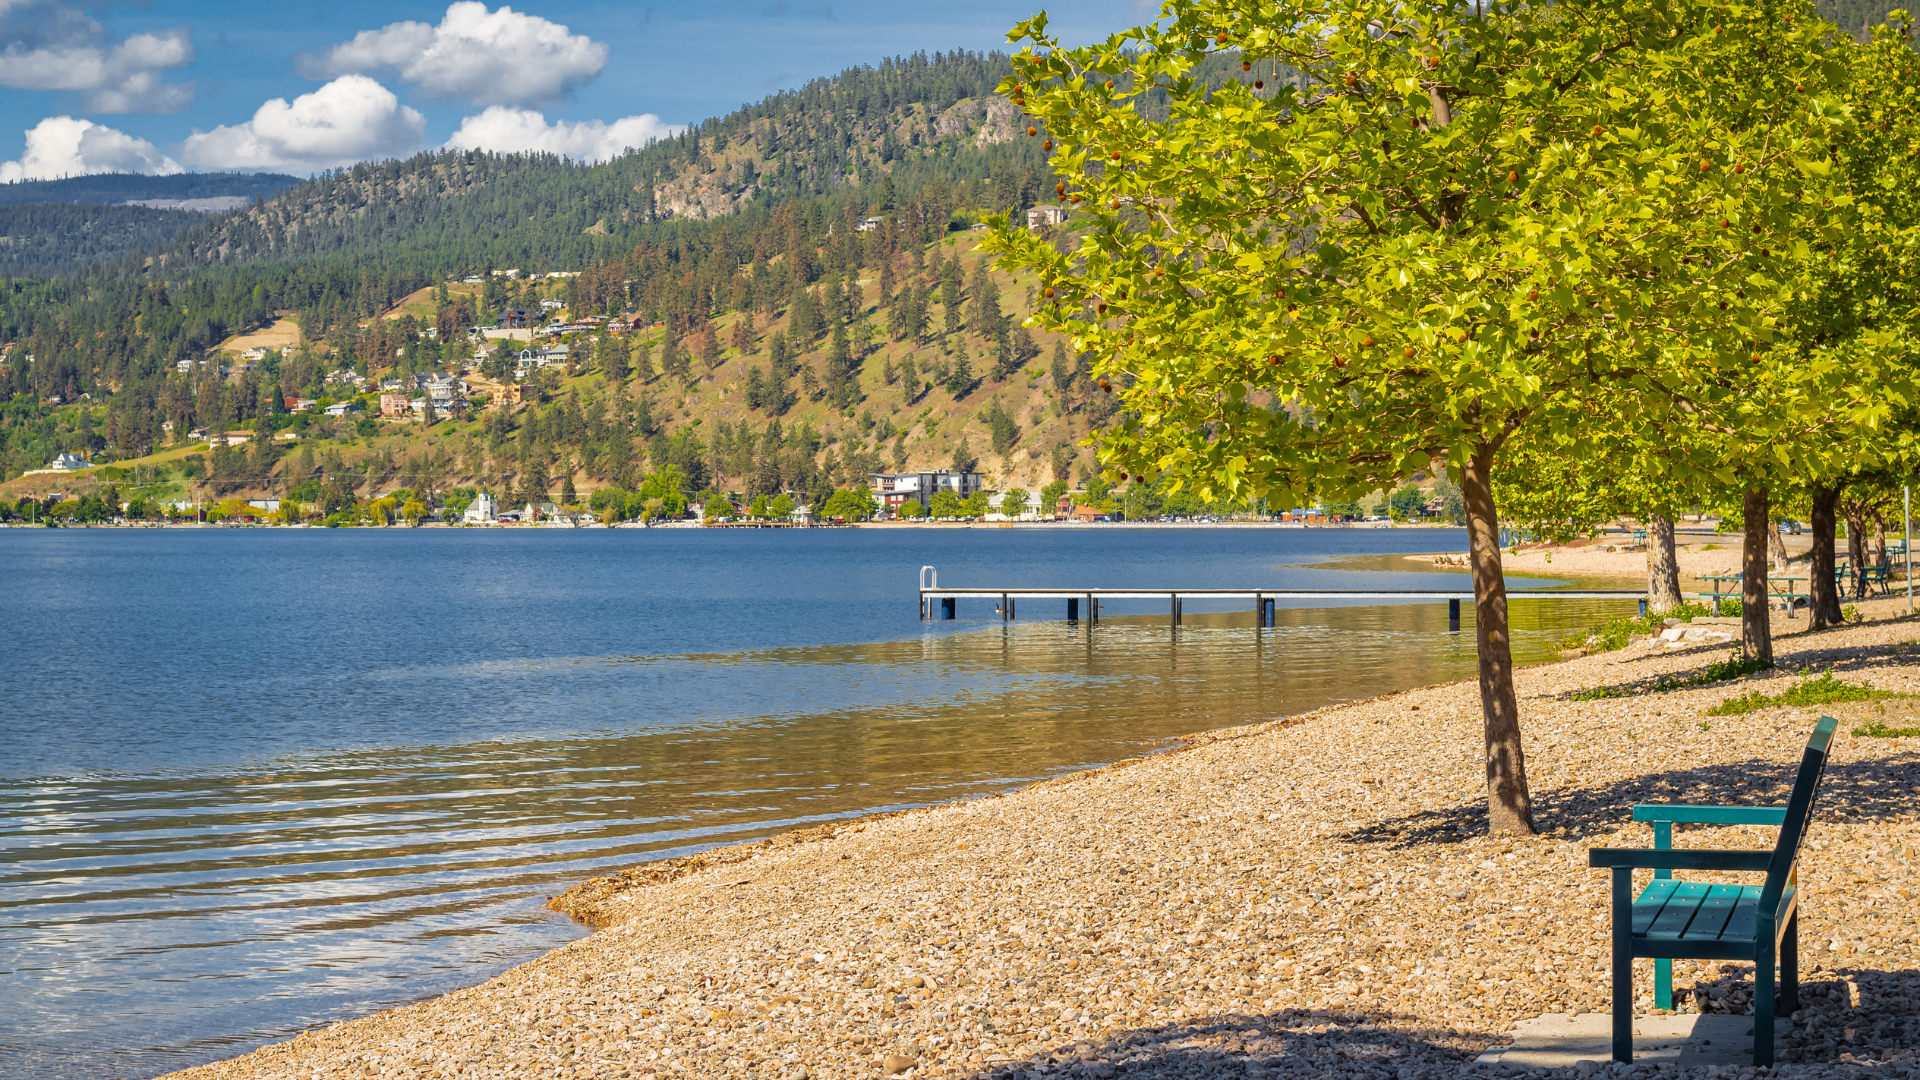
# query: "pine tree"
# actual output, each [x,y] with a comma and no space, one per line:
[960,378]
[612,354]
[983,318]
[950,296]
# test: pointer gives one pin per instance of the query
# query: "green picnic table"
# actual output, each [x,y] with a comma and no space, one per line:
[1782,587]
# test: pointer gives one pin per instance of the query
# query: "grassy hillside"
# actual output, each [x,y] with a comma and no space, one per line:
[632,409]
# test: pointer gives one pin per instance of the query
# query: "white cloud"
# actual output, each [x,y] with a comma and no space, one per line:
[349,119]
[63,146]
[474,56]
[508,131]
[50,45]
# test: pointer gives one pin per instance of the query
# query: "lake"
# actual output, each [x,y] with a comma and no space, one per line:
[260,780]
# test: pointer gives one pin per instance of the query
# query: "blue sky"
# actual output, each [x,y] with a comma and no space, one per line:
[166,85]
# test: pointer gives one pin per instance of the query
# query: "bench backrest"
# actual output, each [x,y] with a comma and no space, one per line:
[1792,818]
[1813,764]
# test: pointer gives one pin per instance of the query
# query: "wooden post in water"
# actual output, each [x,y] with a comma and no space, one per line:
[1453,615]
[947,604]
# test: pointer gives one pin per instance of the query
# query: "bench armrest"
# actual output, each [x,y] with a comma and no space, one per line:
[1680,859]
[1687,814]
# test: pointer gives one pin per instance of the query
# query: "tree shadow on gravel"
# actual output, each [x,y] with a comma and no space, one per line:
[1796,652]
[1848,1015]
[1281,1045]
[1844,1009]
[1878,789]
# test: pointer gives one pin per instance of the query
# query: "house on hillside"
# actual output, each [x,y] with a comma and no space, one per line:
[512,319]
[343,408]
[868,224]
[394,404]
[68,463]
[301,404]
[1040,217]
[255,354]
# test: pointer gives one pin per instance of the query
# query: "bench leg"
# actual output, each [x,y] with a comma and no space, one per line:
[1763,1003]
[1663,983]
[1623,964]
[1790,968]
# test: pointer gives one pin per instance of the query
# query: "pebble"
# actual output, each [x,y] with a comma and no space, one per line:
[1315,896]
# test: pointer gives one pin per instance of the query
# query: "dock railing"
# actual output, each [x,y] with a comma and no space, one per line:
[1088,601]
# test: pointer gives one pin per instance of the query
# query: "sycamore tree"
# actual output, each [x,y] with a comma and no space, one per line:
[1452,224]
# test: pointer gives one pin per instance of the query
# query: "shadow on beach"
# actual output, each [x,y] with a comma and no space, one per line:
[1874,790]
[1290,1042]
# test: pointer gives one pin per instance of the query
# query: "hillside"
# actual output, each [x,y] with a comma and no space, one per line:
[118,188]
[785,264]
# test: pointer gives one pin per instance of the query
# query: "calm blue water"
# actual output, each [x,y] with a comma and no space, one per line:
[257,780]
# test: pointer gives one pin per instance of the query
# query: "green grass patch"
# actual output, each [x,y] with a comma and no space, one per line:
[1825,690]
[1597,693]
[1878,729]
[1616,634]
[1733,667]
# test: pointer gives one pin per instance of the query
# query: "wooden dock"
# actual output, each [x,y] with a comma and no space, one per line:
[1087,601]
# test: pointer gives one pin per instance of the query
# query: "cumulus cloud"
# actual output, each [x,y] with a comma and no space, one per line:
[352,118]
[63,146]
[474,56]
[51,45]
[508,131]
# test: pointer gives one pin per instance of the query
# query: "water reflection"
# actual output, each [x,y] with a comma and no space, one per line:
[154,921]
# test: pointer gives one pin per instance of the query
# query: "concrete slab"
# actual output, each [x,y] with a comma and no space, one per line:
[1558,1041]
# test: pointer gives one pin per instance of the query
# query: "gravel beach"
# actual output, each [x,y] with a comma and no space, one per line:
[1308,897]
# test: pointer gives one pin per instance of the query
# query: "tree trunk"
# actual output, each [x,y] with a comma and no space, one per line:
[1756,625]
[1856,517]
[1879,538]
[1776,546]
[1509,806]
[1825,593]
[1663,567]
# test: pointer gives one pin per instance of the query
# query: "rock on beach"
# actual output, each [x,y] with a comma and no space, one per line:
[1308,897]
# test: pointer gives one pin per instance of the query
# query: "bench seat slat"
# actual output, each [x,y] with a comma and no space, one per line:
[1745,920]
[1715,910]
[1679,910]
[1650,902]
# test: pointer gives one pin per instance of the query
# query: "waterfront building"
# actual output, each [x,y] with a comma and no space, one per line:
[481,510]
[891,490]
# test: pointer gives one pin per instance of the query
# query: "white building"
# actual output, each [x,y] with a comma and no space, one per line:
[68,463]
[481,510]
[893,489]
[1041,216]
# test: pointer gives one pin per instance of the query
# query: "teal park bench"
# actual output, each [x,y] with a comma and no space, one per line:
[1690,920]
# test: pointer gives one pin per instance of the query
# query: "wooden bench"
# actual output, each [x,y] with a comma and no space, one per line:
[1690,920]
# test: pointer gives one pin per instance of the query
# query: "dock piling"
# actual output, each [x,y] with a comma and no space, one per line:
[1073,609]
[1453,615]
[947,604]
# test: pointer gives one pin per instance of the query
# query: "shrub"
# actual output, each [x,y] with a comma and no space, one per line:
[1825,690]
[1878,729]
[1616,634]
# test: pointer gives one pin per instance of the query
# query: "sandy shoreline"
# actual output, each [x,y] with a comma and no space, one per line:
[1311,896]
